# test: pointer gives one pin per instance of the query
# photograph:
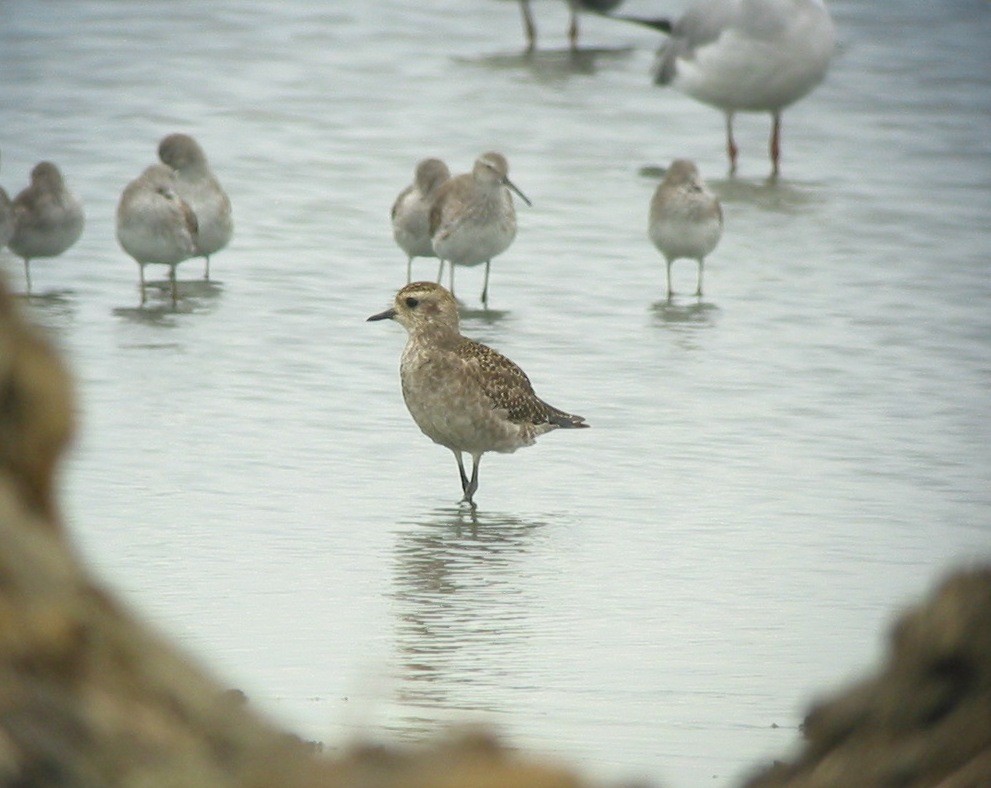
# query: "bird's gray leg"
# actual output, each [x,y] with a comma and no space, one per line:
[698,289]
[528,26]
[175,293]
[141,268]
[670,291]
[573,28]
[464,476]
[775,145]
[440,272]
[731,149]
[27,273]
[473,484]
[206,270]
[450,266]
[485,287]
[409,269]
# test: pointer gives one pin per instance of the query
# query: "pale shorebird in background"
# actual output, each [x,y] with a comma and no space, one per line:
[685,218]
[411,212]
[473,218]
[575,7]
[48,218]
[746,56]
[199,187]
[6,218]
[462,394]
[155,225]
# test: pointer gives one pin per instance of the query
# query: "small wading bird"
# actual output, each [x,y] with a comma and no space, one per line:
[685,218]
[155,225]
[473,218]
[575,6]
[463,394]
[199,188]
[411,212]
[746,56]
[48,218]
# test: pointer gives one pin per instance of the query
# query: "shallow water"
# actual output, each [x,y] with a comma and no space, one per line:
[772,472]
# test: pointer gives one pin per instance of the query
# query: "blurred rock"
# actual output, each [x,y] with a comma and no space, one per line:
[924,719]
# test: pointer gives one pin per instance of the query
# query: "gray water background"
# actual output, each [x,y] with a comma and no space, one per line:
[771,474]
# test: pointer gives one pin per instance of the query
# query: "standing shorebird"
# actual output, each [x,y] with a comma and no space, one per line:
[473,218]
[48,218]
[199,187]
[685,218]
[462,394]
[746,56]
[411,212]
[6,218]
[155,225]
[575,6]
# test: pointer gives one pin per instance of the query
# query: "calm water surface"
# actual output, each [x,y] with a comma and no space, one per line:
[772,471]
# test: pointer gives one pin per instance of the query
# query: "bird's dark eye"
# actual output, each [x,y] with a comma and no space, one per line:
[412,303]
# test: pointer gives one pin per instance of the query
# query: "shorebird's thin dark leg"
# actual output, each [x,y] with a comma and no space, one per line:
[464,476]
[670,291]
[485,287]
[409,269]
[175,287]
[27,273]
[698,289]
[206,270]
[573,29]
[440,272]
[529,27]
[473,484]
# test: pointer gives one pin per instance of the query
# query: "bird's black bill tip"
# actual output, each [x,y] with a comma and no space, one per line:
[388,314]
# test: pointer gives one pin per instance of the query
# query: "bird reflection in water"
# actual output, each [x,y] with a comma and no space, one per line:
[462,610]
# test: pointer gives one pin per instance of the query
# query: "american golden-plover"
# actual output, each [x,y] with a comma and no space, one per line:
[746,56]
[199,188]
[575,6]
[461,393]
[685,218]
[411,212]
[48,218]
[154,224]
[473,218]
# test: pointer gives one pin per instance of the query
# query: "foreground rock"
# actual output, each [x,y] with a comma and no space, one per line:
[90,696]
[924,719]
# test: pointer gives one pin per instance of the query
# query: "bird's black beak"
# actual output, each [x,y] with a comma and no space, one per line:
[388,314]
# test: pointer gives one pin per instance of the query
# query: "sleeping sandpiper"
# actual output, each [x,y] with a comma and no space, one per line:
[685,218]
[48,218]
[154,224]
[199,188]
[411,212]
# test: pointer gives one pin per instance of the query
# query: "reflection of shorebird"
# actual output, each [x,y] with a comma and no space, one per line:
[199,188]
[575,6]
[48,218]
[746,56]
[685,218]
[411,212]
[462,394]
[154,224]
[473,219]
